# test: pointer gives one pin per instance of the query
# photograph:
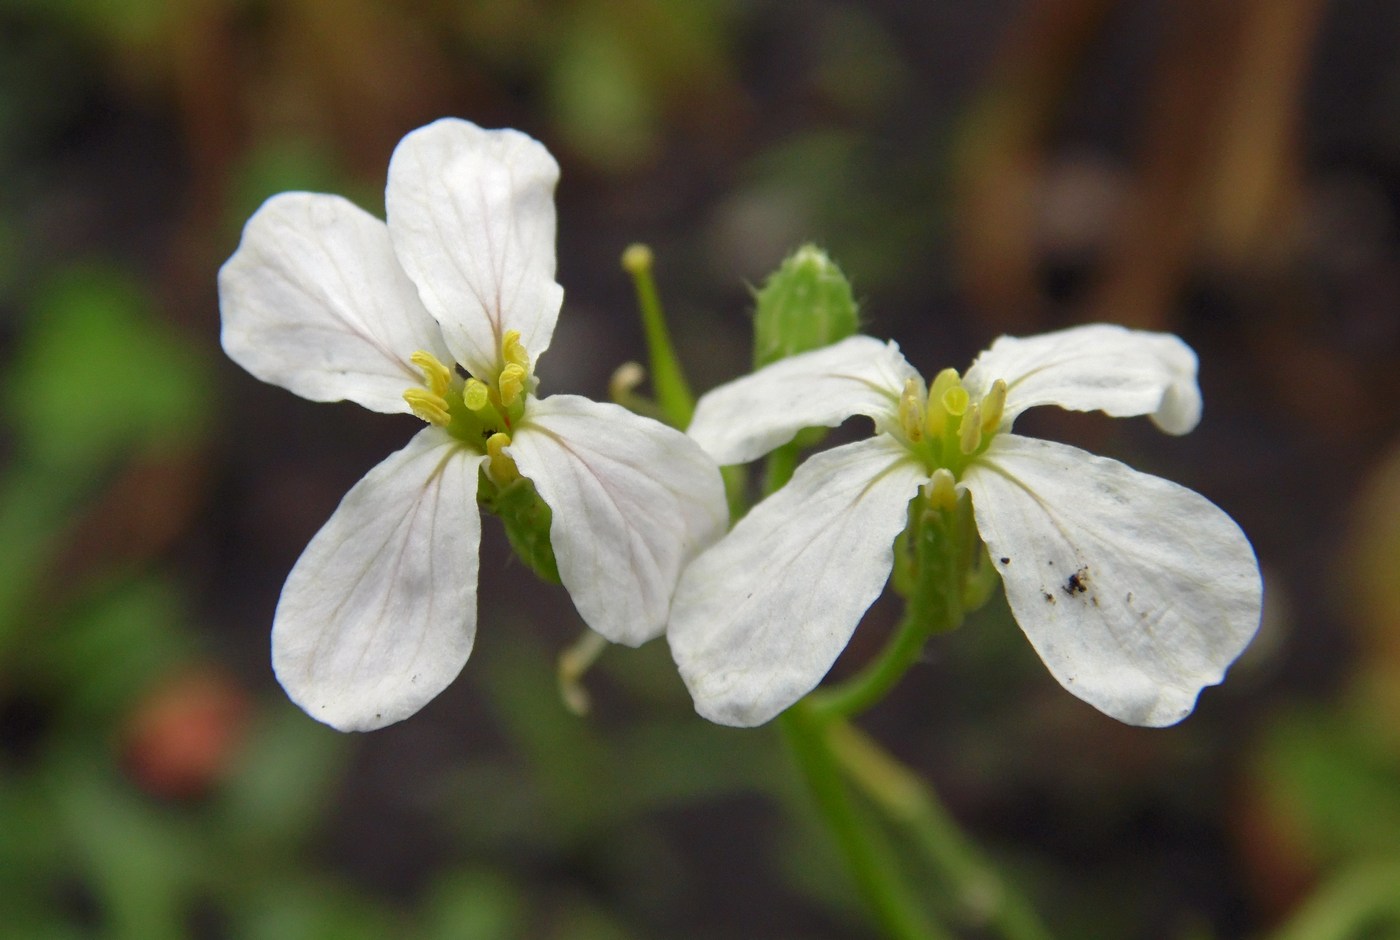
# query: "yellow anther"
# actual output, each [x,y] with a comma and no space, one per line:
[970,431]
[993,405]
[911,411]
[435,375]
[942,489]
[511,383]
[513,352]
[499,465]
[428,406]
[475,395]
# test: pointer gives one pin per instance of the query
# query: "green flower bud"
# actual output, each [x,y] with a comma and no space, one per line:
[806,304]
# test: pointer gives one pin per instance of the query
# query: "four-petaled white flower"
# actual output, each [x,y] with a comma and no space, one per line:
[1136,592]
[379,613]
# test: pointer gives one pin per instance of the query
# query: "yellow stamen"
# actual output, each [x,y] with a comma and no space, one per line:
[431,407]
[942,491]
[499,465]
[511,383]
[513,352]
[475,395]
[911,411]
[970,431]
[436,376]
[993,405]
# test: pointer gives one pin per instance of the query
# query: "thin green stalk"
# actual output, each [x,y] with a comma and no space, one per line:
[668,379]
[868,856]
[875,681]
[979,890]
[934,590]
[779,467]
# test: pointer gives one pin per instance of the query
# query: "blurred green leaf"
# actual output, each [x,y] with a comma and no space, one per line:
[294,163]
[474,905]
[283,783]
[98,375]
[1341,777]
[117,23]
[143,865]
[604,105]
[110,650]
[1360,903]
[292,906]
[33,505]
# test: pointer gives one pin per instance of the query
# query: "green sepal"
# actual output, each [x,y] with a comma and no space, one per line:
[526,518]
[804,305]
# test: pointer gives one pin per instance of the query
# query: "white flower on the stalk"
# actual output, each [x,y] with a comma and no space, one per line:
[1136,592]
[379,613]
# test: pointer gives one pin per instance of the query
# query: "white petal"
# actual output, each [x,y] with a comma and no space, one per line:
[1136,592]
[1099,367]
[760,617]
[314,300]
[632,500]
[471,213]
[379,614]
[746,418]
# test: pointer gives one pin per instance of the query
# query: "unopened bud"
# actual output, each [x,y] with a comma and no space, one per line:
[806,304]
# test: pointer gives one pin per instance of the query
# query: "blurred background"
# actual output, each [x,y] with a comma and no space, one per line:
[1225,169]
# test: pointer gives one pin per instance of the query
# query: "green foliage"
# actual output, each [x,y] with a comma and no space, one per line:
[98,376]
[1331,782]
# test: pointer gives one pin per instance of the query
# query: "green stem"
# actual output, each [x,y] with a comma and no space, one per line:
[868,856]
[779,467]
[667,377]
[979,891]
[874,682]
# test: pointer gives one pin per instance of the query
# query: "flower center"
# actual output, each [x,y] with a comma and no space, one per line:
[481,414]
[945,427]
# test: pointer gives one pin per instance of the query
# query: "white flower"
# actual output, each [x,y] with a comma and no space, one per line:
[379,614]
[1135,592]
